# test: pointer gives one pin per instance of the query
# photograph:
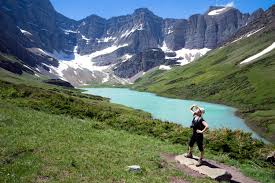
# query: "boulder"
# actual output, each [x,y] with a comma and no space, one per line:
[207,169]
[134,168]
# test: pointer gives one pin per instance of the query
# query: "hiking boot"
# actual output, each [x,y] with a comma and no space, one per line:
[199,162]
[189,155]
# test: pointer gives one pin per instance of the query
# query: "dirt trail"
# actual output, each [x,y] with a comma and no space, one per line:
[237,176]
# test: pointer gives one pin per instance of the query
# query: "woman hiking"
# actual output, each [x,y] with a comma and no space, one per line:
[199,127]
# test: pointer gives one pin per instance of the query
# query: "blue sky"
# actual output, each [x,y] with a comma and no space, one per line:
[78,9]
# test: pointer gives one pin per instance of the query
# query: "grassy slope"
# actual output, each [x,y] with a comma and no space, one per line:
[39,146]
[218,77]
[55,145]
[57,135]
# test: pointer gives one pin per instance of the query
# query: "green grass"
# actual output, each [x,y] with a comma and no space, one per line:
[51,134]
[36,146]
[59,135]
[218,77]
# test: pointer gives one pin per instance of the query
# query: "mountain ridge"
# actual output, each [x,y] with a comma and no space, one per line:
[111,46]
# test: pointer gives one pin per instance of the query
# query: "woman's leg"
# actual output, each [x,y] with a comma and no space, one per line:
[200,146]
[202,155]
[190,150]
[190,147]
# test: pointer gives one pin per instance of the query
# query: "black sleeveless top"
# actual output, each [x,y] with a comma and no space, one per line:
[197,124]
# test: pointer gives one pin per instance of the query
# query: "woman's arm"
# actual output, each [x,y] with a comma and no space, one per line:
[192,110]
[205,127]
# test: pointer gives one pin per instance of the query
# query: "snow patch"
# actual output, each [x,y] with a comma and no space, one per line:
[129,32]
[93,74]
[41,51]
[238,39]
[28,67]
[218,11]
[106,79]
[107,50]
[165,48]
[265,51]
[126,57]
[248,34]
[77,61]
[184,55]
[188,55]
[154,49]
[106,39]
[24,31]
[169,30]
[253,32]
[69,31]
[140,27]
[164,67]
[85,38]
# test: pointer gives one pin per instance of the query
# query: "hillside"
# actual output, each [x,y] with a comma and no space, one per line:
[219,77]
[51,133]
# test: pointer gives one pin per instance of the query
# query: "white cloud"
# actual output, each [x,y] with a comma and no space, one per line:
[230,4]
[224,4]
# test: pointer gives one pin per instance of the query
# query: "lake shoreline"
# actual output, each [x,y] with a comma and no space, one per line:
[236,110]
[258,130]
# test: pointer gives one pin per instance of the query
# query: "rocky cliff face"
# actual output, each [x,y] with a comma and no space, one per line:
[40,22]
[259,21]
[28,24]
[111,50]
[143,61]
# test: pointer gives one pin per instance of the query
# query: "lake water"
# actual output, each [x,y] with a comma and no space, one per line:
[173,110]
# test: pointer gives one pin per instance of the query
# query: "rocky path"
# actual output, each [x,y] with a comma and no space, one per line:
[213,169]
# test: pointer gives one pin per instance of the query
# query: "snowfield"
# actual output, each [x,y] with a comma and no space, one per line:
[77,61]
[265,51]
[106,39]
[185,56]
[189,55]
[74,64]
[69,31]
[126,57]
[25,32]
[248,34]
[218,11]
[134,29]
[85,38]
[253,32]
[164,67]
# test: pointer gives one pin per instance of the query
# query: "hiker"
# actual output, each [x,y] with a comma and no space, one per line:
[199,127]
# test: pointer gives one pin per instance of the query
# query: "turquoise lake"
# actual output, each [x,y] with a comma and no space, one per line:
[173,110]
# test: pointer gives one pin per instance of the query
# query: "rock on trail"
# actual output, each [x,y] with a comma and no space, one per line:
[210,168]
[211,171]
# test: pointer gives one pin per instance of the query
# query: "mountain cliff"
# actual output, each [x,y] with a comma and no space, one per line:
[115,50]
